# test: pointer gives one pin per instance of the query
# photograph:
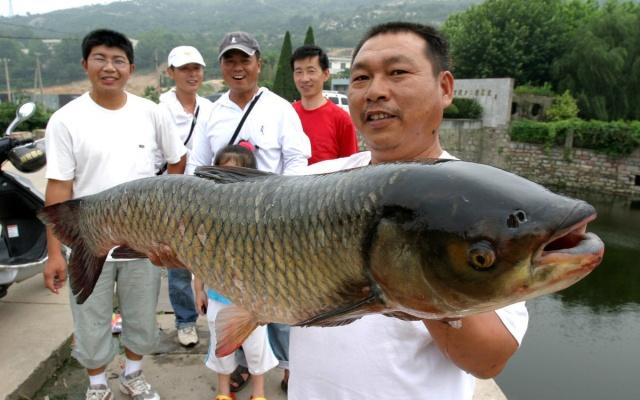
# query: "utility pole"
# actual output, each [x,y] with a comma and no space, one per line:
[37,79]
[6,77]
[158,71]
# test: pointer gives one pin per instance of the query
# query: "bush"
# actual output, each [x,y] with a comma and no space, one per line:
[563,107]
[531,132]
[37,121]
[617,138]
[544,90]
[451,112]
[462,108]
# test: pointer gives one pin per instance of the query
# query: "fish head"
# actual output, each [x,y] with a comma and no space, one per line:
[459,238]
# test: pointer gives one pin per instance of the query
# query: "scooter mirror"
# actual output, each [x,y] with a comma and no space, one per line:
[26,110]
[22,114]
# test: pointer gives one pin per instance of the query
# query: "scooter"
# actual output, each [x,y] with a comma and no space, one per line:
[23,240]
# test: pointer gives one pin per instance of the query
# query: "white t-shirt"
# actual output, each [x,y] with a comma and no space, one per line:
[181,120]
[378,357]
[99,148]
[273,126]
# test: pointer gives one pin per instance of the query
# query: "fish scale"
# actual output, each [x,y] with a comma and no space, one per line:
[412,240]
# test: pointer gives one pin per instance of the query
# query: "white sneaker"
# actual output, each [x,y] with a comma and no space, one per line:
[98,392]
[188,336]
[137,387]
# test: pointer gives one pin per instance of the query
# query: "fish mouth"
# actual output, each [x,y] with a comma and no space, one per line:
[572,246]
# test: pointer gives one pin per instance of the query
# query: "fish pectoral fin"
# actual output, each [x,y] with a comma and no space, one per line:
[230,174]
[84,271]
[344,315]
[126,252]
[401,315]
[234,324]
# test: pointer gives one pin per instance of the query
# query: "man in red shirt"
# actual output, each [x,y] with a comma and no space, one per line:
[328,127]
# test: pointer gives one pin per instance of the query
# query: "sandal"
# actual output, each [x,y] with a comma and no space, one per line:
[238,382]
[225,397]
[258,398]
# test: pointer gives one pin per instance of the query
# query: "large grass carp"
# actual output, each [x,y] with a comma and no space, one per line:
[410,240]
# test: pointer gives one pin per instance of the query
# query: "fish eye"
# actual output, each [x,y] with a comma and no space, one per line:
[516,218]
[481,256]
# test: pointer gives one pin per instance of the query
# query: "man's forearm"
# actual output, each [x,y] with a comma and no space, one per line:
[482,345]
[178,168]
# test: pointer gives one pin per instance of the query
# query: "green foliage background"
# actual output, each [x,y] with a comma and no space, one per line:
[616,138]
[590,48]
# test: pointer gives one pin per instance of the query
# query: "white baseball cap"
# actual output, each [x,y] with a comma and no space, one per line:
[183,55]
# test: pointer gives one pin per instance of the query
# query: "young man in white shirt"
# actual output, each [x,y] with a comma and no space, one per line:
[104,138]
[182,107]
[400,85]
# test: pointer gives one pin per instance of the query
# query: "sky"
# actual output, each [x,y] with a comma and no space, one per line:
[22,7]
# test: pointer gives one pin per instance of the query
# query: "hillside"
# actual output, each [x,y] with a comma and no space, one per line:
[336,23]
[158,25]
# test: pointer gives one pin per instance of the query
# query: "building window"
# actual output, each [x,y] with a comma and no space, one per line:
[637,180]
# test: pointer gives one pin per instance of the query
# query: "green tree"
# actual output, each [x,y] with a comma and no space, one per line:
[309,38]
[283,83]
[602,67]
[514,38]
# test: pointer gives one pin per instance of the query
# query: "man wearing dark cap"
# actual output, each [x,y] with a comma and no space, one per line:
[271,125]
[254,114]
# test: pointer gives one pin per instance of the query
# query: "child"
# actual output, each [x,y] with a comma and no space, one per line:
[257,350]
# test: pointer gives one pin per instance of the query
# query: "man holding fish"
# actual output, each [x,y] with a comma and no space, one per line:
[400,85]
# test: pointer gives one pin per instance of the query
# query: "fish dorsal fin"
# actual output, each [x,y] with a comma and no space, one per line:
[346,314]
[230,174]
[234,324]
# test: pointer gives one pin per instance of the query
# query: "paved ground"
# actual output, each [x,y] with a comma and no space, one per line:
[35,345]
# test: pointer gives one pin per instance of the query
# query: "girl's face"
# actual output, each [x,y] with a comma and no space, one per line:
[229,163]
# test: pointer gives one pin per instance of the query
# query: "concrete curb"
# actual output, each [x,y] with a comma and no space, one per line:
[43,372]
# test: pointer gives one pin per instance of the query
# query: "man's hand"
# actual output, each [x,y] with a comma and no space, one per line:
[55,274]
[201,302]
[201,296]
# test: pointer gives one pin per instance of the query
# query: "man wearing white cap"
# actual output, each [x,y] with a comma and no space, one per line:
[182,106]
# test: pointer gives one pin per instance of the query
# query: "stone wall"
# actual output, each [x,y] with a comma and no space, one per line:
[573,168]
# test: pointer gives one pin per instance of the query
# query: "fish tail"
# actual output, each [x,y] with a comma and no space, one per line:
[84,266]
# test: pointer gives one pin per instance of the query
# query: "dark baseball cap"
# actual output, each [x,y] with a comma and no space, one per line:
[238,41]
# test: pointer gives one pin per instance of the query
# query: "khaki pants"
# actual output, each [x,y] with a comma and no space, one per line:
[137,285]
